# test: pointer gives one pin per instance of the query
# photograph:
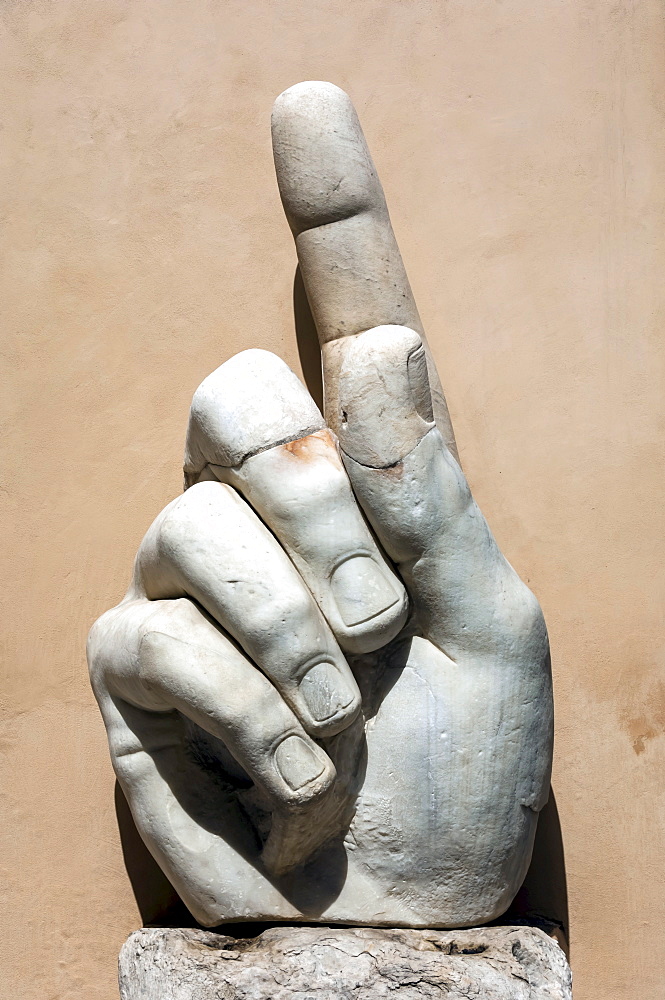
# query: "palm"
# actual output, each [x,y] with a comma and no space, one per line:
[463,745]
[327,693]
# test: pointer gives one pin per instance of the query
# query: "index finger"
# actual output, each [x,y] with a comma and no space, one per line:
[334,202]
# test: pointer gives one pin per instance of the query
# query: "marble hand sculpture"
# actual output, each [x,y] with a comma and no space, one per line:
[327,693]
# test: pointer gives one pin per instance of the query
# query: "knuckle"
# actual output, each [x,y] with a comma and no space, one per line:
[532,611]
[292,611]
[153,658]
[297,608]
[99,644]
[174,525]
[526,620]
[262,701]
[152,645]
[180,522]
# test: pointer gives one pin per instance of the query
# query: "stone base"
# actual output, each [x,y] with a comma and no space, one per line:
[337,963]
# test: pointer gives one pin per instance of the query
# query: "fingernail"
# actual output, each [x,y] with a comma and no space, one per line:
[326,691]
[297,762]
[361,590]
[416,366]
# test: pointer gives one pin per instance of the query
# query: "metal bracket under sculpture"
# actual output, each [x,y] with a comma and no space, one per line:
[327,693]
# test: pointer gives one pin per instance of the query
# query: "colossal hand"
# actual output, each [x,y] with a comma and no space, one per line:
[327,694]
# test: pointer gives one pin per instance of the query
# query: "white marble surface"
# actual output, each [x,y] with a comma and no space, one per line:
[327,693]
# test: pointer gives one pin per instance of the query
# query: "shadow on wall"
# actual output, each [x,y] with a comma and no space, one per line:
[542,899]
[157,900]
[308,341]
[543,896]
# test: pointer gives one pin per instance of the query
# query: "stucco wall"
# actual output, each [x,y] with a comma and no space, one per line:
[520,144]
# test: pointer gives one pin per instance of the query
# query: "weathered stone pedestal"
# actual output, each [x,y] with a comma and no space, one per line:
[322,963]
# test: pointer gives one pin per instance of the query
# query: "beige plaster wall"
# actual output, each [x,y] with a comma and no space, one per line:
[521,146]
